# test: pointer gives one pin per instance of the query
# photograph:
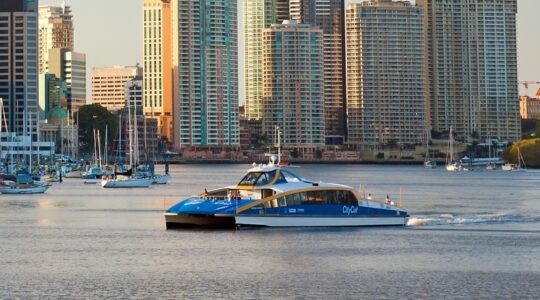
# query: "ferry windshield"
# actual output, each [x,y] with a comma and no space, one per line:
[258,178]
[290,177]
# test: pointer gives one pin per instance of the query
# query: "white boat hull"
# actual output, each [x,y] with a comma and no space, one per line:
[456,168]
[127,183]
[12,190]
[160,179]
[319,221]
[73,174]
[452,168]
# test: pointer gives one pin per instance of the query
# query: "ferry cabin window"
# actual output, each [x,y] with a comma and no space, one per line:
[272,203]
[315,197]
[319,198]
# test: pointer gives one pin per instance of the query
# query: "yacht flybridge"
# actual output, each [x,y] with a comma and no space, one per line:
[269,195]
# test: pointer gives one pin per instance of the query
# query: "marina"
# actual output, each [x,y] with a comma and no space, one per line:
[473,234]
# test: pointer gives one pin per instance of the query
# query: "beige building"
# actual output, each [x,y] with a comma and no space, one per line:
[529,107]
[385,73]
[157,68]
[55,31]
[109,85]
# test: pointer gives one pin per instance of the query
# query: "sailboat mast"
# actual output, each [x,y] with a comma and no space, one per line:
[4,122]
[99,149]
[130,132]
[279,144]
[426,157]
[105,149]
[38,141]
[451,145]
[136,135]
[120,138]
[31,144]
[62,137]
[95,148]
[145,142]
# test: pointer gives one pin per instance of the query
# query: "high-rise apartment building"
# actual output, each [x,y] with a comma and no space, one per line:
[472,63]
[282,10]
[258,14]
[158,59]
[70,67]
[293,95]
[19,66]
[385,73]
[329,16]
[207,70]
[109,85]
[55,25]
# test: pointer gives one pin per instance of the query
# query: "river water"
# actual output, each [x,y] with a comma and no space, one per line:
[471,235]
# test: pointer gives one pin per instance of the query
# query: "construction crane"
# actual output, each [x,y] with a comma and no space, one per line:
[527,83]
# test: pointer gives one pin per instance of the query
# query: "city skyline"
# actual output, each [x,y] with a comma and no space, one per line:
[120,30]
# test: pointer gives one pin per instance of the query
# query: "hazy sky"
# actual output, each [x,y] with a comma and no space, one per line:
[109,32]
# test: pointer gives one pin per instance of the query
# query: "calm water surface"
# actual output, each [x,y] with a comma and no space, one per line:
[471,235]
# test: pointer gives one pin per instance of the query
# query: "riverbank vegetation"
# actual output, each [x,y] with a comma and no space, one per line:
[529,148]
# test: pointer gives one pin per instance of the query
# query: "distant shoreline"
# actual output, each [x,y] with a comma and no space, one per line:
[293,162]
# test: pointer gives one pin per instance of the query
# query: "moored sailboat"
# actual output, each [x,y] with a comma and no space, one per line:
[12,188]
[428,162]
[520,166]
[129,180]
[451,164]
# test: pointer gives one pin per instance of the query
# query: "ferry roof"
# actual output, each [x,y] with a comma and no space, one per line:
[263,168]
[291,182]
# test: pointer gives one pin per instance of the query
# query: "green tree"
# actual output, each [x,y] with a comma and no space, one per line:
[530,150]
[95,116]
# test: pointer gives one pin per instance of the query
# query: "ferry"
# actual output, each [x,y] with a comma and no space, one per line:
[271,196]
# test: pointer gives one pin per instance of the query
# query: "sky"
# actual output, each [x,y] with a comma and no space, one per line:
[109,32]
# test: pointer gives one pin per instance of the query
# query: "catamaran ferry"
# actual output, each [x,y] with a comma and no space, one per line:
[272,196]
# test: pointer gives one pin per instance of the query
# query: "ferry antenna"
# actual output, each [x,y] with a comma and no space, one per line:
[401,196]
